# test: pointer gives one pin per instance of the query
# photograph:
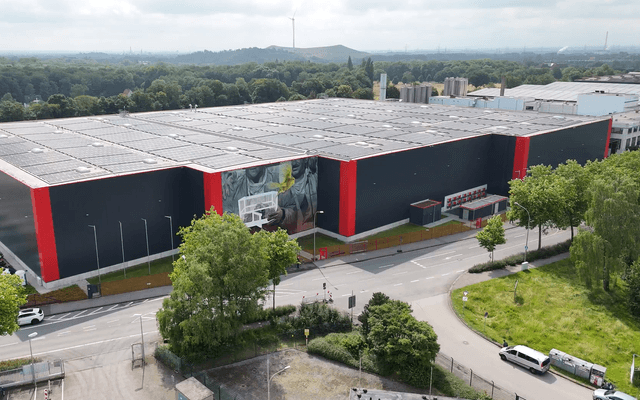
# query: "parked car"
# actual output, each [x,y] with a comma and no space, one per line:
[603,394]
[22,274]
[30,316]
[529,358]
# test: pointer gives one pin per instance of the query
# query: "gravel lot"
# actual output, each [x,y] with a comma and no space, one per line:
[310,377]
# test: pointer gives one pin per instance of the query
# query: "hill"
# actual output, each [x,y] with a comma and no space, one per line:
[337,53]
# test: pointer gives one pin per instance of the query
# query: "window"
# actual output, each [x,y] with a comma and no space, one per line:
[633,142]
[628,143]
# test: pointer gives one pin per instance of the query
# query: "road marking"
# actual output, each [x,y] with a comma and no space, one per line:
[39,338]
[397,284]
[462,270]
[417,280]
[113,320]
[431,277]
[319,279]
[10,344]
[129,304]
[113,307]
[63,333]
[286,284]
[64,316]
[519,236]
[90,326]
[416,263]
[473,247]
[89,330]
[386,266]
[400,273]
[446,274]
[355,272]
[348,294]
[434,255]
[364,291]
[158,298]
[145,300]
[77,315]
[91,313]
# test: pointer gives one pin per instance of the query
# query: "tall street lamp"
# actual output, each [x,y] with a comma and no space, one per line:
[526,246]
[95,239]
[171,235]
[33,371]
[146,234]
[122,244]
[314,233]
[142,339]
[269,378]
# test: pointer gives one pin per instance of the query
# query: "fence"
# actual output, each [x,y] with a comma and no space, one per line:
[474,380]
[42,371]
[393,241]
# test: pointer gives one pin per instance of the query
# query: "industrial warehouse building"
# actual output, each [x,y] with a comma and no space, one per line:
[81,192]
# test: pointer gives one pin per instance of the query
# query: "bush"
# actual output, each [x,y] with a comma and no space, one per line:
[329,348]
[15,364]
[543,253]
[271,314]
[452,386]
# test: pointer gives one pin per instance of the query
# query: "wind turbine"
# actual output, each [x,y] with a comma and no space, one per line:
[293,23]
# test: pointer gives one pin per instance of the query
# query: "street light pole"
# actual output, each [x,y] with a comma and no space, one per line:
[146,234]
[95,239]
[171,235]
[314,233]
[33,371]
[270,378]
[122,244]
[142,338]
[526,246]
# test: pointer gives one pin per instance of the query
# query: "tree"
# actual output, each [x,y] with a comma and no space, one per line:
[392,91]
[575,181]
[217,284]
[281,252]
[492,235]
[541,195]
[632,279]
[349,64]
[402,343]
[377,299]
[12,297]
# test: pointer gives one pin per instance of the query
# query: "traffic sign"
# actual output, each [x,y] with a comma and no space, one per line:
[306,332]
[464,298]
[352,301]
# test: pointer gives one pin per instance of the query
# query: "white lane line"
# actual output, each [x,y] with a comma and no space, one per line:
[145,300]
[39,338]
[10,344]
[473,247]
[87,327]
[364,291]
[113,320]
[431,277]
[113,307]
[446,274]
[53,318]
[401,273]
[462,270]
[386,266]
[91,313]
[64,316]
[348,294]
[434,255]
[89,330]
[159,298]
[77,315]
[355,272]
[397,284]
[318,279]
[286,284]
[417,280]
[519,236]
[63,333]
[416,263]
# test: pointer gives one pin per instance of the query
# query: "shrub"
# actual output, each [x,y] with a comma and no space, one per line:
[17,363]
[271,314]
[543,253]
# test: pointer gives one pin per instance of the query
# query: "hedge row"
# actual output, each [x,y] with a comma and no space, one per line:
[516,259]
[15,364]
[272,314]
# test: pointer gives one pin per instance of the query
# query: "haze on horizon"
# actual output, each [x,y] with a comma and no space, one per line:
[402,25]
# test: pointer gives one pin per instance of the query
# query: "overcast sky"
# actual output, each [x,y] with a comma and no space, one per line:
[193,25]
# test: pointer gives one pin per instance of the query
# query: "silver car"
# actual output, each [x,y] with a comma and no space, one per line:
[602,394]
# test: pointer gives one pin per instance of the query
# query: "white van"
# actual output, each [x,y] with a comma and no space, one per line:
[529,358]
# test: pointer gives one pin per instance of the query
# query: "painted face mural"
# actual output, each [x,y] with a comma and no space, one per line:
[270,196]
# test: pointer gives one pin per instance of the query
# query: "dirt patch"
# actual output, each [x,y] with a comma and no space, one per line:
[310,377]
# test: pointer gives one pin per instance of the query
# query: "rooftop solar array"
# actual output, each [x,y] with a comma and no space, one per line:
[560,91]
[226,138]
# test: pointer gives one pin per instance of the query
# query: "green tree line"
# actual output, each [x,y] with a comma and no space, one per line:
[55,88]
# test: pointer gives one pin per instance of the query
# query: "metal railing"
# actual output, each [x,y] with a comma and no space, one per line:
[474,380]
[41,371]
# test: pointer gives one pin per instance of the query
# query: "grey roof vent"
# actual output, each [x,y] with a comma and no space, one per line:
[174,135]
[318,136]
[2,136]
[272,124]
[415,122]
[83,170]
[127,125]
[351,116]
[97,144]
[237,128]
[231,148]
[387,126]
[37,150]
[323,118]
[58,131]
[150,161]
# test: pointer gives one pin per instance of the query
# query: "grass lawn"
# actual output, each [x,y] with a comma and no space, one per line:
[306,242]
[402,229]
[157,266]
[553,309]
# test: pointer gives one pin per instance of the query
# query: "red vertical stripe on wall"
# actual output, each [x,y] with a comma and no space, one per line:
[45,235]
[606,146]
[520,158]
[213,191]
[348,183]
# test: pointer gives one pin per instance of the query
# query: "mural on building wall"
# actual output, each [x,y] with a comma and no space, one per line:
[270,196]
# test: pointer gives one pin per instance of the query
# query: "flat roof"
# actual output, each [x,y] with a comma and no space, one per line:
[58,151]
[559,91]
[483,202]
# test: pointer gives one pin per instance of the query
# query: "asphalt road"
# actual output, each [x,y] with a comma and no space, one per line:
[421,277]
